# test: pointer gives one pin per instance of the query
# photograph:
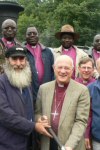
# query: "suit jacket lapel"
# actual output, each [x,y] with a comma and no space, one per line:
[50,94]
[67,102]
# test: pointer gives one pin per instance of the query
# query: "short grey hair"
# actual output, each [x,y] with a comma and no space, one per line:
[63,57]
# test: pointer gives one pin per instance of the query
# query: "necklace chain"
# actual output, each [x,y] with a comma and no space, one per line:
[55,113]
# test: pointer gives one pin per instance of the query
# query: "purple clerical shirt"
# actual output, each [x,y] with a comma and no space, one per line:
[72,53]
[36,52]
[57,104]
[96,54]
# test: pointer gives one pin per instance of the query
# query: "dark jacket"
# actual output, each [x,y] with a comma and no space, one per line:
[94,89]
[14,127]
[48,61]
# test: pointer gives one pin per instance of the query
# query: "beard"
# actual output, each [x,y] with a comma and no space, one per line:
[19,79]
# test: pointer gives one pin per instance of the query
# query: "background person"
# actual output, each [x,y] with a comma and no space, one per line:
[40,58]
[67,37]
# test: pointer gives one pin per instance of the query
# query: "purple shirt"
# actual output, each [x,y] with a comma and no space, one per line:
[8,44]
[72,53]
[57,104]
[36,52]
[96,54]
[80,80]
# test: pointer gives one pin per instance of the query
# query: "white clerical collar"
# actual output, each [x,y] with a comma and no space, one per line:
[85,81]
[9,42]
[60,85]
[98,51]
[66,49]
[34,46]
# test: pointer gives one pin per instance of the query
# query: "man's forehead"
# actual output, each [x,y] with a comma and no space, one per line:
[64,63]
[9,24]
[32,29]
[97,37]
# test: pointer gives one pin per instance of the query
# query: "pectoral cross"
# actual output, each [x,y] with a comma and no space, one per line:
[55,114]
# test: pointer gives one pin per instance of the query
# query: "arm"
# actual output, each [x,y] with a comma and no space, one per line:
[9,118]
[81,118]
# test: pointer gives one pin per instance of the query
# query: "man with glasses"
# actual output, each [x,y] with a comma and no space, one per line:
[86,70]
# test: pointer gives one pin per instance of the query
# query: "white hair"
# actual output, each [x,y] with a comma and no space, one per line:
[64,57]
[19,79]
[8,20]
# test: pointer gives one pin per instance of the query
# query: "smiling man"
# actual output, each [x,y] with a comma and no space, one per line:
[40,58]
[86,70]
[65,103]
[67,37]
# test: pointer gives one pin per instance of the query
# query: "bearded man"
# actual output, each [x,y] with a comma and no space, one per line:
[16,103]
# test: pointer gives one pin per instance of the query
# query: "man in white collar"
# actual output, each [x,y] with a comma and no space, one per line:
[40,58]
[65,105]
[67,37]
[9,30]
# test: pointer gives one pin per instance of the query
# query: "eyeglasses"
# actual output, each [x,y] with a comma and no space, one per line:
[86,68]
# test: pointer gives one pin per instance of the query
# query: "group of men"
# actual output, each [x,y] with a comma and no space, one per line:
[28,106]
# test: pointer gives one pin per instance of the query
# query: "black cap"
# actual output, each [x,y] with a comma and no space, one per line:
[15,51]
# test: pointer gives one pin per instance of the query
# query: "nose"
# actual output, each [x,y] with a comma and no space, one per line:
[18,63]
[32,34]
[9,28]
[62,70]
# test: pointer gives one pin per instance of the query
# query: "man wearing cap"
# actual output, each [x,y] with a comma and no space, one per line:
[9,30]
[16,103]
[67,36]
[40,58]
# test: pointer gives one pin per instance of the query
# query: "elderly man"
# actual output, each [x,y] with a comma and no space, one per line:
[16,103]
[40,58]
[65,103]
[9,30]
[67,36]
[94,89]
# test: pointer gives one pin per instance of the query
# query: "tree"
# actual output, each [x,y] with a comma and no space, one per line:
[49,15]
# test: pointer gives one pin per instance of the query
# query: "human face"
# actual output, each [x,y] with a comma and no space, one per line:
[86,70]
[9,30]
[96,42]
[32,36]
[63,71]
[18,63]
[67,40]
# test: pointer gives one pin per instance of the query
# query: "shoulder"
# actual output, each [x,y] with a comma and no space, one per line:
[77,86]
[81,52]
[47,85]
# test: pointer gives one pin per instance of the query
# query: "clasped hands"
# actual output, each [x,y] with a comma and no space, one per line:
[41,126]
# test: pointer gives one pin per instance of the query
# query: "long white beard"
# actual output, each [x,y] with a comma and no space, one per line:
[19,79]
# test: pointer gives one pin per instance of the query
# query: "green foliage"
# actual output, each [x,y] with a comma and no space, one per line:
[49,15]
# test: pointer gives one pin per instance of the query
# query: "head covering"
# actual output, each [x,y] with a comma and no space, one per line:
[15,51]
[67,29]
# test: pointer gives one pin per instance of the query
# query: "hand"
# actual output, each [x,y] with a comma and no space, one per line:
[68,148]
[40,127]
[87,143]
[43,119]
